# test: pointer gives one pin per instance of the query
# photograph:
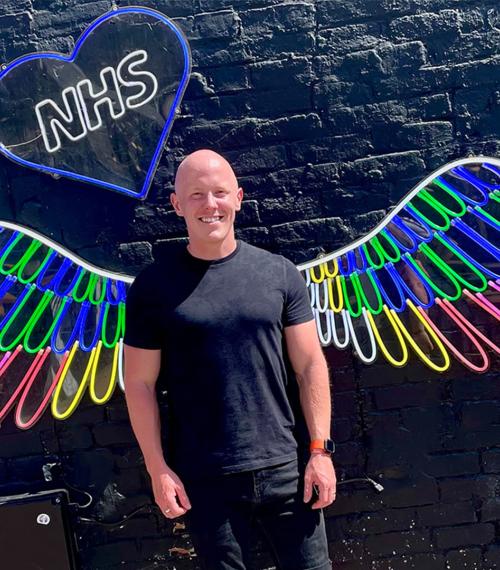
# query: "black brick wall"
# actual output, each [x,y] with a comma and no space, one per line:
[330,111]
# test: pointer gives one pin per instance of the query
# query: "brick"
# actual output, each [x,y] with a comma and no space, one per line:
[466,558]
[345,551]
[398,542]
[277,46]
[380,522]
[330,11]
[13,26]
[491,461]
[445,23]
[409,395]
[249,213]
[23,443]
[435,423]
[230,133]
[456,489]
[486,486]
[222,24]
[235,105]
[258,236]
[429,561]
[77,437]
[137,254]
[91,469]
[406,58]
[351,501]
[490,510]
[233,52]
[349,453]
[350,38]
[347,147]
[284,18]
[438,515]
[331,229]
[139,525]
[276,74]
[401,165]
[113,433]
[492,557]
[452,464]
[477,414]
[331,92]
[343,429]
[28,469]
[406,494]
[115,552]
[152,220]
[256,159]
[130,457]
[465,535]
[464,389]
[412,135]
[229,78]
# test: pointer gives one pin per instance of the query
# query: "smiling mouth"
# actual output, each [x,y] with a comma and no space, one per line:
[211,220]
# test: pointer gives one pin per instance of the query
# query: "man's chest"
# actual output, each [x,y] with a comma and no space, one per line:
[217,304]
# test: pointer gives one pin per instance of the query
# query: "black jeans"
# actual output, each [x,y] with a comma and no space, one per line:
[224,509]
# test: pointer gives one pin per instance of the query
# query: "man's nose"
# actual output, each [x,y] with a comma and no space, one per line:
[210,201]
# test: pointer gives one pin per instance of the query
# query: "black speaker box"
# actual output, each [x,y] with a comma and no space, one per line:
[35,532]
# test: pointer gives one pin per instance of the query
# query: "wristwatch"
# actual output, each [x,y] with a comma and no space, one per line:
[326,445]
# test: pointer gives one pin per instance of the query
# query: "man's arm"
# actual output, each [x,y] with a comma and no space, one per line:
[141,373]
[310,367]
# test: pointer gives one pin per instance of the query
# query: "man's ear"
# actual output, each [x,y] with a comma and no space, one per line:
[239,196]
[175,203]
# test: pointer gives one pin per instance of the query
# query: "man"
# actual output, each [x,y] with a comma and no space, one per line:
[221,321]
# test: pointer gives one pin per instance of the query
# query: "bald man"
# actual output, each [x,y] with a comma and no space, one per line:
[226,330]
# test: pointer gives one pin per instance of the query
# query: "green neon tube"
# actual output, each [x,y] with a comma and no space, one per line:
[8,324]
[34,320]
[7,252]
[35,274]
[357,284]
[348,305]
[102,293]
[461,204]
[74,293]
[432,224]
[429,252]
[453,297]
[120,325]
[370,260]
[397,254]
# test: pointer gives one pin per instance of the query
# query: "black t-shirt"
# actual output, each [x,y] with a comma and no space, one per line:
[220,325]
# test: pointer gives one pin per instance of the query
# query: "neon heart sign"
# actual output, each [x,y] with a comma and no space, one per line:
[103,114]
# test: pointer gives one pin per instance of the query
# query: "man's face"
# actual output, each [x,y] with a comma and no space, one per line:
[208,198]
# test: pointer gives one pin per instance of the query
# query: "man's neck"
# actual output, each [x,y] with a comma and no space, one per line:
[212,251]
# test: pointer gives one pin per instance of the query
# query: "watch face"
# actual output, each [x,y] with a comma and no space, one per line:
[329,445]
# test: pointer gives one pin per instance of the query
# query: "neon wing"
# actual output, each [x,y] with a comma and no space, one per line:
[62,323]
[429,269]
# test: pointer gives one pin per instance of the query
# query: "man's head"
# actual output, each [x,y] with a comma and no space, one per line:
[207,196]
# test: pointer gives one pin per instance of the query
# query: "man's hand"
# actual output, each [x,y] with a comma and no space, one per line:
[320,473]
[169,493]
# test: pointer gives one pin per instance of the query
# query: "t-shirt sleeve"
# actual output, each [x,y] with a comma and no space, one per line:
[297,303]
[142,328]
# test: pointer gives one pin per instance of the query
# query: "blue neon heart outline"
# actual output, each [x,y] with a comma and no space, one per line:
[70,59]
